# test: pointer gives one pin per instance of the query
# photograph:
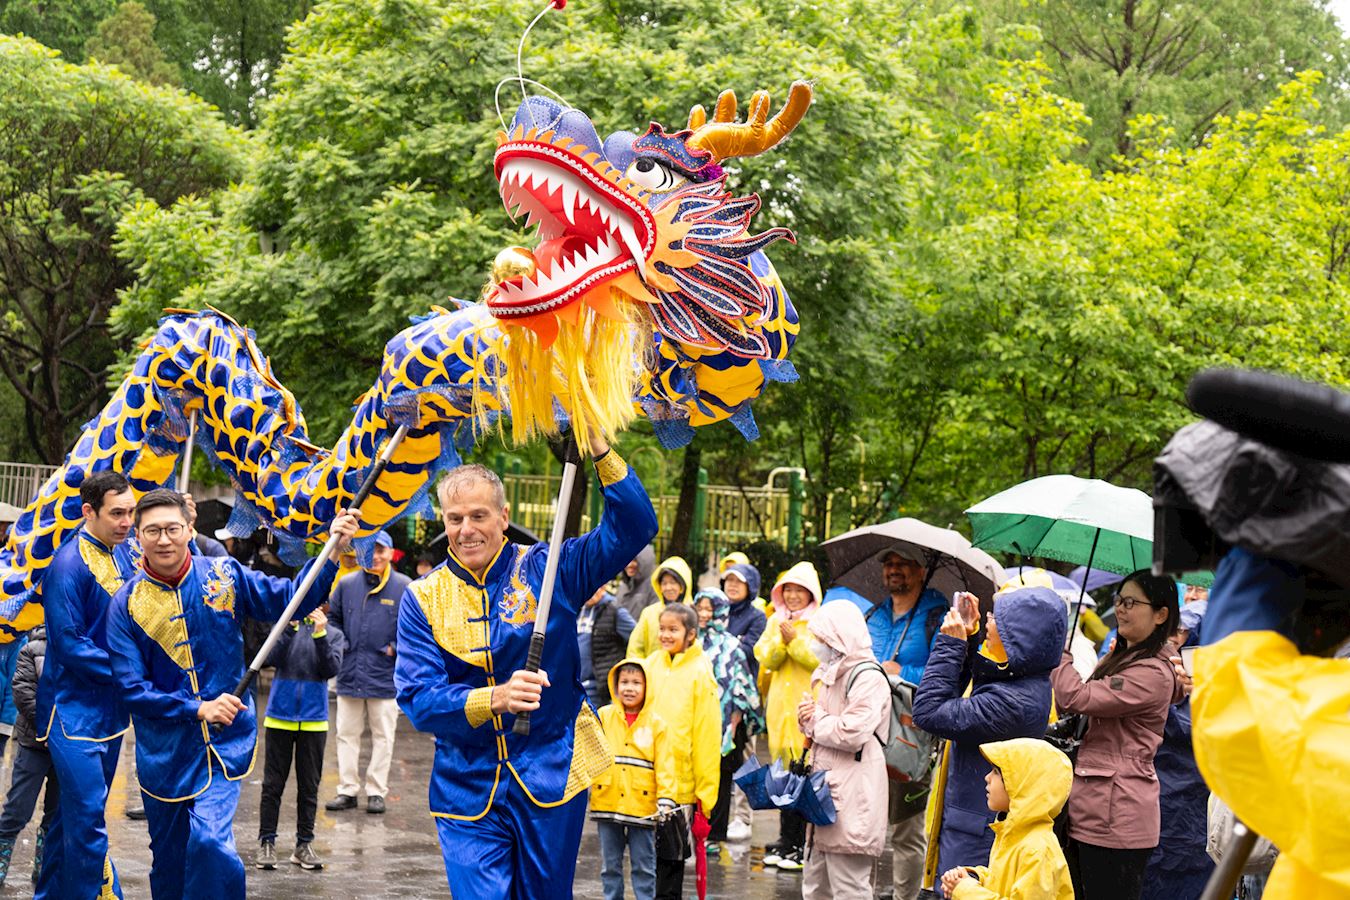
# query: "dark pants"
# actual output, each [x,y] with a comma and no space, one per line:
[671,852]
[791,831]
[1106,873]
[307,749]
[721,813]
[32,766]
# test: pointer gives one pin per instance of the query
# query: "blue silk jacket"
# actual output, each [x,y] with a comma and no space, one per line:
[458,636]
[76,691]
[174,647]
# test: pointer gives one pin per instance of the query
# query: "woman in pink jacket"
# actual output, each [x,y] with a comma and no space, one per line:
[846,725]
[1113,807]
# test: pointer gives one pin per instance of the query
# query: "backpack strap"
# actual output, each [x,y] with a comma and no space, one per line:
[869,665]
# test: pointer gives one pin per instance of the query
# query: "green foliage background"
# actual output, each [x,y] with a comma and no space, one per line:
[1020,230]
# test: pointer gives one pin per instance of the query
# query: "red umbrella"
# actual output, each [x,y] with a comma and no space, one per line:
[702,828]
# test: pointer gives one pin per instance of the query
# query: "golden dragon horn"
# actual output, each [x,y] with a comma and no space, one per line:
[726,138]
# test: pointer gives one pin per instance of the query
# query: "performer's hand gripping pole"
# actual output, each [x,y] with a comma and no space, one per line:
[312,575]
[569,476]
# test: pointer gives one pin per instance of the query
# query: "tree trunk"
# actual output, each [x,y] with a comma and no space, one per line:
[682,529]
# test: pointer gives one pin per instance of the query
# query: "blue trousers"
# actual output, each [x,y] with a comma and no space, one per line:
[518,851]
[192,853]
[75,862]
[641,844]
[32,767]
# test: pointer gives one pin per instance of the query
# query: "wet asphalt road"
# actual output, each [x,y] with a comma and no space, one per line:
[394,855]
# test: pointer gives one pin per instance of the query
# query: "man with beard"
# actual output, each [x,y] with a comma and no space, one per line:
[903,627]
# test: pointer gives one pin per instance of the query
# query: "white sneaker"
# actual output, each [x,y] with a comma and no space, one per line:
[738,831]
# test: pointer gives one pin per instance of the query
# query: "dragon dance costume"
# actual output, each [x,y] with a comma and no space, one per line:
[509,809]
[80,715]
[174,644]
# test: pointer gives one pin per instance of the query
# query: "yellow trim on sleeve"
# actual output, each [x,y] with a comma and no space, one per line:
[611,469]
[479,708]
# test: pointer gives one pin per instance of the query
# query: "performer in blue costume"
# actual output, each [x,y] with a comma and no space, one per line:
[509,809]
[78,711]
[174,640]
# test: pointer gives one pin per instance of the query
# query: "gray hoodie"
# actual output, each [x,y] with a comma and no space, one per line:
[635,594]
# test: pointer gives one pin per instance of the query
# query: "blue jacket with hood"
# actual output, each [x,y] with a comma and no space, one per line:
[747,622]
[1008,700]
[304,663]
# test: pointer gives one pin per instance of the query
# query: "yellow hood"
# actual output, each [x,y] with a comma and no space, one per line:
[678,567]
[1036,776]
[614,681]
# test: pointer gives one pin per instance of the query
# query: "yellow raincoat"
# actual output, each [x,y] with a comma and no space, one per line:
[644,761]
[1272,738]
[645,639]
[1271,728]
[785,669]
[684,694]
[1026,862]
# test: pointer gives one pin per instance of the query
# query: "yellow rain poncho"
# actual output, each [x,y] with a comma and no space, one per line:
[1026,861]
[1272,729]
[785,668]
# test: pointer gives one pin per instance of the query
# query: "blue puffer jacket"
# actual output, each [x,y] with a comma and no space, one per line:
[1008,700]
[304,664]
[364,607]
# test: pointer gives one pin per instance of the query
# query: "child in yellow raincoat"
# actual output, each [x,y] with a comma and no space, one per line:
[685,695]
[1028,786]
[672,582]
[785,666]
[624,802]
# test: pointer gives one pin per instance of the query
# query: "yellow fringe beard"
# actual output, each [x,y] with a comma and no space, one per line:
[591,369]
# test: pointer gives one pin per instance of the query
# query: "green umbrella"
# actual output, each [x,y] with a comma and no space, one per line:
[1077,520]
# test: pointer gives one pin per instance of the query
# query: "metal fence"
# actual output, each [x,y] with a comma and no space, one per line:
[19,482]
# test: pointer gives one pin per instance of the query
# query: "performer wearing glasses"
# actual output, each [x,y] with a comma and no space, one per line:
[176,649]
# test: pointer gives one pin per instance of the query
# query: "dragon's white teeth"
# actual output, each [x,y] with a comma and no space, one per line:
[629,237]
[569,197]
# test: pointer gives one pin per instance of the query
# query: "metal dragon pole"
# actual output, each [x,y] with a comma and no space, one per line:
[1224,880]
[313,574]
[569,476]
[186,474]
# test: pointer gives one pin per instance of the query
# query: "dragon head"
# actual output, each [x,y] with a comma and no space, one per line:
[644,219]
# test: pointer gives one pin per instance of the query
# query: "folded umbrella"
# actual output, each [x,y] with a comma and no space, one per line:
[953,564]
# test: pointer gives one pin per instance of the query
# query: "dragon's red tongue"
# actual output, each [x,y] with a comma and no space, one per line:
[550,253]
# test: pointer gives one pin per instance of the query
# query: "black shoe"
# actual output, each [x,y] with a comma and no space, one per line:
[341,801]
[374,805]
[136,813]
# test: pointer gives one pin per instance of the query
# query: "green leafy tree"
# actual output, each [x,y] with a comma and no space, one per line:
[126,39]
[1191,61]
[83,145]
[64,25]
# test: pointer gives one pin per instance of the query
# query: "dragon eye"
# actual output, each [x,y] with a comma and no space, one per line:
[654,176]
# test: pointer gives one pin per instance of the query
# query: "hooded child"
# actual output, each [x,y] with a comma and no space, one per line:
[684,694]
[624,800]
[741,716]
[847,724]
[1027,788]
[741,582]
[672,581]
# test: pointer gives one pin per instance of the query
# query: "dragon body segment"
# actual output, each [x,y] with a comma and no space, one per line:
[645,274]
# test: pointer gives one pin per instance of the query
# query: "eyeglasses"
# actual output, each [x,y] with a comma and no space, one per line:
[172,532]
[1129,603]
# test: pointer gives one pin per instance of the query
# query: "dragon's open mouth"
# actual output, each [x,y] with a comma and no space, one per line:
[594,225]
